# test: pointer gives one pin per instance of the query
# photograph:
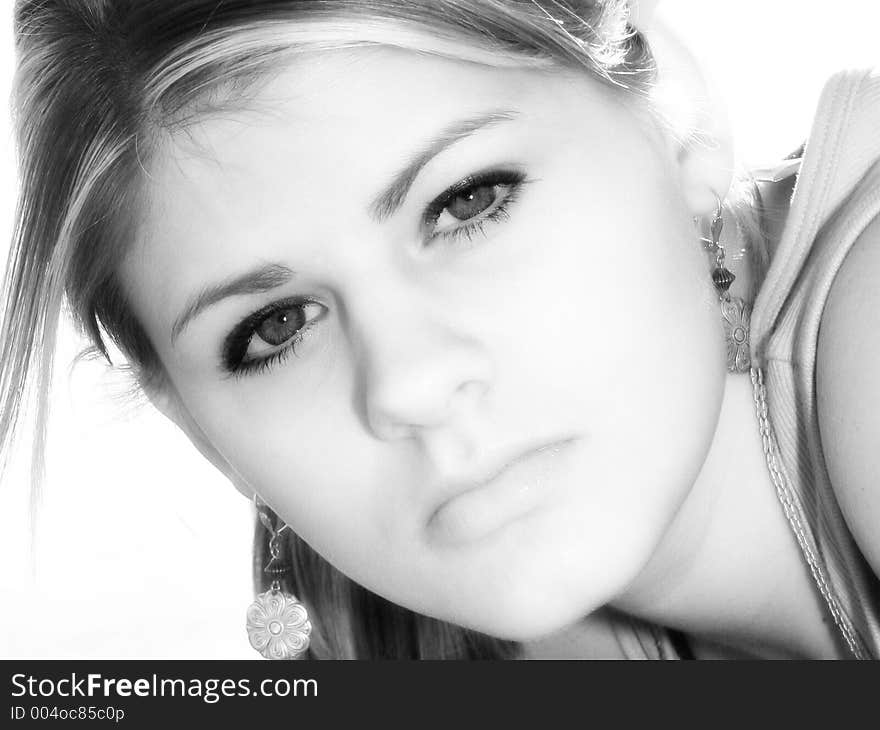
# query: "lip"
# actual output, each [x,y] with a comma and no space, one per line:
[478,506]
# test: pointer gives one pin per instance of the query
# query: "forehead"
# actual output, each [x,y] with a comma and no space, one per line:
[367,107]
[327,105]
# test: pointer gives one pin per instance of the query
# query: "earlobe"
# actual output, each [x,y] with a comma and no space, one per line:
[169,403]
[706,172]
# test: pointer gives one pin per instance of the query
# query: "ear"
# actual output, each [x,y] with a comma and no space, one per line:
[701,142]
[168,402]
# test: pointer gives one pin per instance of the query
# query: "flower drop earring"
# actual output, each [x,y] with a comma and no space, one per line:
[278,624]
[735,312]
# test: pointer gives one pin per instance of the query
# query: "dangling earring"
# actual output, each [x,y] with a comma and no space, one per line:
[278,624]
[735,312]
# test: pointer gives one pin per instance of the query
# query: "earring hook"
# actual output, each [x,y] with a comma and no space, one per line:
[274,532]
[717,224]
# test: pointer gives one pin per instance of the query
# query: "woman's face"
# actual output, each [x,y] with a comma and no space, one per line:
[395,274]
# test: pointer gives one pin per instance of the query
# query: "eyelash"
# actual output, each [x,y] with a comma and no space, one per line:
[237,342]
[512,179]
[255,367]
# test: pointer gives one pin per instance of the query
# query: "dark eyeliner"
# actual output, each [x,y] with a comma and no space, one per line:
[495,176]
[469,230]
[254,367]
[236,343]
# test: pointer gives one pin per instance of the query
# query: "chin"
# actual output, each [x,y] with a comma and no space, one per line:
[525,615]
[525,626]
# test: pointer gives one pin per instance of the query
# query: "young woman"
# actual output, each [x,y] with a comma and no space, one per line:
[424,279]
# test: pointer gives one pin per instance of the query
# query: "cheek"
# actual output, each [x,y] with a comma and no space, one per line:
[630,350]
[306,455]
[621,324]
[282,444]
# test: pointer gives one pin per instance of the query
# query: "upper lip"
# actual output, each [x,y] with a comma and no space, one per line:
[452,486]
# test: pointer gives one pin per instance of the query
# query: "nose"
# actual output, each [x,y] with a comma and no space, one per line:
[418,373]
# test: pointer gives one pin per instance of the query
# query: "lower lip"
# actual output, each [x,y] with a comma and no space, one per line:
[515,492]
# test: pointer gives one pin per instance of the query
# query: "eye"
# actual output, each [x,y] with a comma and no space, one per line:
[282,324]
[269,335]
[464,207]
[472,202]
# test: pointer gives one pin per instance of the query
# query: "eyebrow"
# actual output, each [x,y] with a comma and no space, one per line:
[270,276]
[256,281]
[392,197]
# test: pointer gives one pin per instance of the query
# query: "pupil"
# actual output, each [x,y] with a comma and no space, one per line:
[471,203]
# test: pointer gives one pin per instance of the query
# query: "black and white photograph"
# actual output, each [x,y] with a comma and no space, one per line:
[439,330]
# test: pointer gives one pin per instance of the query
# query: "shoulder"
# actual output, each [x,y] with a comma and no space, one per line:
[848,390]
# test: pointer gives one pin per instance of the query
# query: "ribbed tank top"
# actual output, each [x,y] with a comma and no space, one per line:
[836,195]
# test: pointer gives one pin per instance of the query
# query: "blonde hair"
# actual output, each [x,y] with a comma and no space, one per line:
[101,82]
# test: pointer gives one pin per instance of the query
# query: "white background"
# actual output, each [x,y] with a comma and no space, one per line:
[140,549]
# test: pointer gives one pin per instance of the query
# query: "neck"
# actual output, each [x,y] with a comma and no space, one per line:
[729,571]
